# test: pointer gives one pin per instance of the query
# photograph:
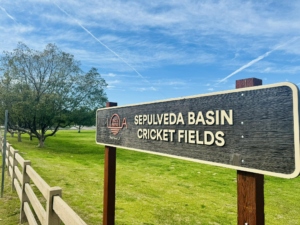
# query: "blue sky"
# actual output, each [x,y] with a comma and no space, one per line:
[149,50]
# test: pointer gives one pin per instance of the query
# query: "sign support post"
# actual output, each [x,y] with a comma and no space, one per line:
[250,186]
[109,182]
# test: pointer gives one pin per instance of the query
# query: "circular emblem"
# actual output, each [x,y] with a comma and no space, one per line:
[114,124]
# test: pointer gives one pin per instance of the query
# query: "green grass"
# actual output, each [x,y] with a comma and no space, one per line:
[150,189]
[9,204]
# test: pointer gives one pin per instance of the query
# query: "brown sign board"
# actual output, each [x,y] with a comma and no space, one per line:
[252,129]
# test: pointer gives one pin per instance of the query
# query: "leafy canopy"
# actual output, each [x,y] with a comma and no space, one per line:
[41,89]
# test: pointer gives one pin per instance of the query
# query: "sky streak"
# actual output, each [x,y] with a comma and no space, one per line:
[257,59]
[11,17]
[104,45]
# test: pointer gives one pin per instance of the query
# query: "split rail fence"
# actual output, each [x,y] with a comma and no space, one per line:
[52,209]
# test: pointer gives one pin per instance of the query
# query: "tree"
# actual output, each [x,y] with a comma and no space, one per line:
[83,117]
[41,88]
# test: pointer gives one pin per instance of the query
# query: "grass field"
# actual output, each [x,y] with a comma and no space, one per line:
[151,190]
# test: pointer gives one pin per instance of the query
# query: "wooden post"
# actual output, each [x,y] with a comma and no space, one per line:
[15,163]
[51,217]
[250,186]
[8,154]
[4,157]
[109,182]
[24,198]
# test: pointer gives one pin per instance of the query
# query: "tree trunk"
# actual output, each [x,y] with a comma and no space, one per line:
[19,136]
[79,127]
[41,141]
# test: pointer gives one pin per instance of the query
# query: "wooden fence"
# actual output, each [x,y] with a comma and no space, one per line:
[51,209]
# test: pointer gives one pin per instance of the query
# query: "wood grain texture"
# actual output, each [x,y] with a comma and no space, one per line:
[250,191]
[39,182]
[18,174]
[65,212]
[109,192]
[250,82]
[109,186]
[18,188]
[250,186]
[35,203]
[262,133]
[30,217]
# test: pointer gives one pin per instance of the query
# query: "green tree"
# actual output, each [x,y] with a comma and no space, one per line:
[41,88]
[83,116]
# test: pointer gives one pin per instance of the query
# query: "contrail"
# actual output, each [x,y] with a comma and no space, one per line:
[104,45]
[257,59]
[11,17]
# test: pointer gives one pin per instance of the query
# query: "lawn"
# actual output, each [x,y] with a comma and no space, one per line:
[150,189]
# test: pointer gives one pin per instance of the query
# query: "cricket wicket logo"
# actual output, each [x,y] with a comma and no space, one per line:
[114,123]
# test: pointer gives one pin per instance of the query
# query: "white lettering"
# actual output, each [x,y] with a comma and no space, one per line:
[166,118]
[210,120]
[180,119]
[140,133]
[200,118]
[198,138]
[219,138]
[136,121]
[225,116]
[153,131]
[207,140]
[172,118]
[158,135]
[191,118]
[165,135]
[171,134]
[217,117]
[180,135]
[192,136]
[140,119]
[160,118]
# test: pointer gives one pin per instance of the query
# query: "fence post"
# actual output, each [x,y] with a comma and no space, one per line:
[7,154]
[4,153]
[24,198]
[1,144]
[250,186]
[13,176]
[51,217]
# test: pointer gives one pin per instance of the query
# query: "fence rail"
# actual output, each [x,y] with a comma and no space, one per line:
[22,175]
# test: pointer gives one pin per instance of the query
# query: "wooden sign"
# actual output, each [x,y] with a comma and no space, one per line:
[251,129]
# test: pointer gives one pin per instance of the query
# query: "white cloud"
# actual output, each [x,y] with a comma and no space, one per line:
[109,75]
[142,89]
[113,82]
[153,34]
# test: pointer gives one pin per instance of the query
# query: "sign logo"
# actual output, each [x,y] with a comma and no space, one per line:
[114,123]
